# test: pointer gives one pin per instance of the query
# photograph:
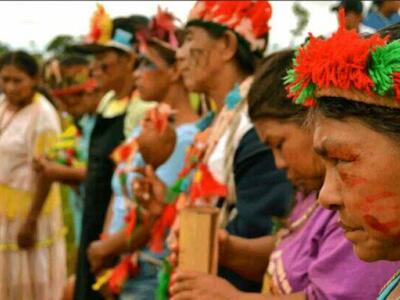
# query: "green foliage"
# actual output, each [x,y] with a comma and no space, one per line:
[59,44]
[4,48]
[302,16]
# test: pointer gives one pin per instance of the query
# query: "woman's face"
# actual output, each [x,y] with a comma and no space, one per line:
[293,152]
[17,85]
[153,76]
[361,183]
[198,59]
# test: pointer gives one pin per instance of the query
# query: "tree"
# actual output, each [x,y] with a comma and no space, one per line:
[4,48]
[59,44]
[302,16]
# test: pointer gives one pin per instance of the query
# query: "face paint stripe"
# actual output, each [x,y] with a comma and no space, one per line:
[353,180]
[378,196]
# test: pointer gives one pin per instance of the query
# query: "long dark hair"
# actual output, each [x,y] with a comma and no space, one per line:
[267,97]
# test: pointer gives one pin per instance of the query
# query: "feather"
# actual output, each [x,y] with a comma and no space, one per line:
[100,26]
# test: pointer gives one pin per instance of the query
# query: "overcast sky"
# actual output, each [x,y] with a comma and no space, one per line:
[27,23]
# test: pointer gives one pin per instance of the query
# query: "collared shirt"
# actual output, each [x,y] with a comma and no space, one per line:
[377,21]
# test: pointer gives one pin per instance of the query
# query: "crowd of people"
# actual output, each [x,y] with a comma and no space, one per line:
[298,149]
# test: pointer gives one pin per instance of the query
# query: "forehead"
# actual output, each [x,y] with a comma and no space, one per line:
[105,55]
[152,54]
[349,132]
[14,71]
[273,128]
[75,69]
[198,33]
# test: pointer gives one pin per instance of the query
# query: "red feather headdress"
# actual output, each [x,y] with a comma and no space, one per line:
[248,18]
[160,30]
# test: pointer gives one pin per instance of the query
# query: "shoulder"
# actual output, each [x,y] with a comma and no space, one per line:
[372,20]
[110,107]
[48,118]
[249,146]
[187,131]
[395,18]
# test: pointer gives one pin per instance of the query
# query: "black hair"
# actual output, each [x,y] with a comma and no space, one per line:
[22,60]
[168,55]
[246,59]
[378,3]
[267,97]
[382,119]
[74,60]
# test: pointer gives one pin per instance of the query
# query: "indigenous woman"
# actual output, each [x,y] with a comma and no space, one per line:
[309,258]
[222,43]
[356,133]
[32,249]
[159,79]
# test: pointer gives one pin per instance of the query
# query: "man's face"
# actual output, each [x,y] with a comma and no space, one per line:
[152,77]
[353,20]
[110,67]
[75,103]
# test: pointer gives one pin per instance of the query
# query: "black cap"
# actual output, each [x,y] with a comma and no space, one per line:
[349,5]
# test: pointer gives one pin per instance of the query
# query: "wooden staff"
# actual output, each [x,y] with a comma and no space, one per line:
[198,244]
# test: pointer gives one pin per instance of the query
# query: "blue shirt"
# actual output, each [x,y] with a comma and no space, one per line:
[167,172]
[377,21]
[146,280]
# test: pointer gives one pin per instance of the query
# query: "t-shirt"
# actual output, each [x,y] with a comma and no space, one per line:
[167,172]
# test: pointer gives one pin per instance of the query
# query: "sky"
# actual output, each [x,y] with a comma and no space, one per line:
[32,24]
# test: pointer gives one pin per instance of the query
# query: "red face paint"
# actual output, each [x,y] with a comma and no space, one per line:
[353,180]
[379,226]
[370,206]
[375,224]
[379,196]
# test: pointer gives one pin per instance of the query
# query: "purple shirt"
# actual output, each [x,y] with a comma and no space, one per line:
[319,260]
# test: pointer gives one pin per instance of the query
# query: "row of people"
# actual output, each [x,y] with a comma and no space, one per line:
[252,152]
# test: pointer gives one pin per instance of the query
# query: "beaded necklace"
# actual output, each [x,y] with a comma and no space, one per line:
[297,223]
[211,129]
